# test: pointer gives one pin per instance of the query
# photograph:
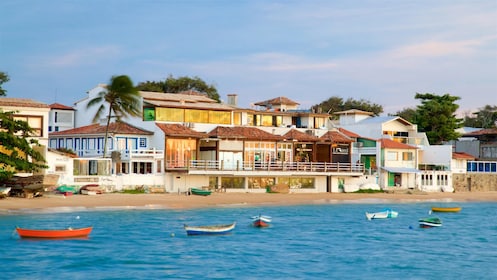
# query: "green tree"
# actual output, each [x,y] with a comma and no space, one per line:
[3,79]
[408,114]
[181,84]
[337,104]
[486,117]
[436,117]
[17,153]
[122,99]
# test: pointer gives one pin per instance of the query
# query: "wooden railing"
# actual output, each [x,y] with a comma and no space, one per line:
[265,166]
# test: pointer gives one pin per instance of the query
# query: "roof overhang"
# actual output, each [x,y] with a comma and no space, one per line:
[401,170]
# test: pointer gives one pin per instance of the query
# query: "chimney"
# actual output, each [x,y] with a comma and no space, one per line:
[233,99]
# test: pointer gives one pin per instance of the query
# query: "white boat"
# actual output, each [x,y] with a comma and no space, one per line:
[4,191]
[385,214]
[261,221]
[209,230]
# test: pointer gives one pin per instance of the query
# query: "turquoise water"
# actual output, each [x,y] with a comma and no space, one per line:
[304,242]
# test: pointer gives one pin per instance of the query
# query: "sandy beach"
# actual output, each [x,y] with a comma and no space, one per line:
[176,201]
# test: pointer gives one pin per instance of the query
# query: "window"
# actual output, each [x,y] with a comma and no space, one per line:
[180,151]
[35,122]
[148,114]
[169,114]
[143,142]
[391,155]
[60,168]
[142,167]
[407,156]
[297,182]
[237,118]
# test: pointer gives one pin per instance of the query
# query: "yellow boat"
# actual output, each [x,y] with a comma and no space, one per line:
[446,209]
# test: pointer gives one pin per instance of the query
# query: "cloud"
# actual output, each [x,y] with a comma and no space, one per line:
[79,57]
[436,49]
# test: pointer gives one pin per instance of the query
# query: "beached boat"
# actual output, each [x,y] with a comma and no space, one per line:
[54,233]
[210,230]
[261,221]
[385,214]
[430,222]
[67,190]
[91,189]
[196,191]
[446,209]
[4,191]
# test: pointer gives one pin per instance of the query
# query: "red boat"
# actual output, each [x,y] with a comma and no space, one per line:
[261,221]
[54,233]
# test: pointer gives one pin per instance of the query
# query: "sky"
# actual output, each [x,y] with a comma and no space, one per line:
[380,51]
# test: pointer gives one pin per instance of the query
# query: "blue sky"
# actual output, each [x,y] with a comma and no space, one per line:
[380,51]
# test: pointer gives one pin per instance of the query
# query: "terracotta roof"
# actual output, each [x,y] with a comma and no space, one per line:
[486,131]
[294,134]
[349,133]
[60,106]
[179,130]
[115,128]
[390,144]
[240,132]
[277,101]
[461,155]
[21,102]
[336,136]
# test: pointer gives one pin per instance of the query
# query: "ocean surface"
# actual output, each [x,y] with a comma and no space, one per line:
[325,241]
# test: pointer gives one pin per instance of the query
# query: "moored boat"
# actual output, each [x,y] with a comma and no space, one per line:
[210,230]
[430,222]
[54,233]
[446,209]
[196,191]
[261,221]
[4,191]
[385,214]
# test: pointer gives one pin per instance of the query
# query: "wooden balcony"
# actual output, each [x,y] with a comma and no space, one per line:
[217,165]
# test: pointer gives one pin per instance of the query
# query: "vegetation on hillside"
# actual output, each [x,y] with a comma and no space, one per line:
[180,84]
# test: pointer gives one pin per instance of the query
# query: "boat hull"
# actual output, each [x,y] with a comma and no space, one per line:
[210,230]
[54,233]
[200,192]
[382,215]
[430,222]
[446,209]
[261,221]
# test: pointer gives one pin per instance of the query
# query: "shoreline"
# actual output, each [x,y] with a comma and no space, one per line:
[176,201]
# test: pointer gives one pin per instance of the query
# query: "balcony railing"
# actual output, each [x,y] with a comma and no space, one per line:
[219,165]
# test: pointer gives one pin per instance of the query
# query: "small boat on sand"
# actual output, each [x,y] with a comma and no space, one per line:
[4,191]
[196,191]
[210,230]
[54,233]
[430,222]
[261,221]
[385,214]
[446,209]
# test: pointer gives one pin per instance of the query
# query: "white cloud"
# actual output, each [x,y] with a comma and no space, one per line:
[79,57]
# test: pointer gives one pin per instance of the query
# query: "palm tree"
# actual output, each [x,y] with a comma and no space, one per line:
[123,100]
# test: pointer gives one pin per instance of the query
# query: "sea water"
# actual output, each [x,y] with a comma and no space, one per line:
[325,241]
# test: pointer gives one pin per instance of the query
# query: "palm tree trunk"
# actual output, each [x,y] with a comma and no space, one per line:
[107,130]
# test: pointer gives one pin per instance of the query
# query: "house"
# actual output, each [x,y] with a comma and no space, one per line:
[194,141]
[415,167]
[36,114]
[61,117]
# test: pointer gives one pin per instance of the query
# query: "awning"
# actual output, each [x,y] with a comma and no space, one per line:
[401,170]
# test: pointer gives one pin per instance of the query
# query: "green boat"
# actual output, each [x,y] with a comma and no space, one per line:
[196,191]
[430,222]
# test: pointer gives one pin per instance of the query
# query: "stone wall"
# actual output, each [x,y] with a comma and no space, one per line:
[474,182]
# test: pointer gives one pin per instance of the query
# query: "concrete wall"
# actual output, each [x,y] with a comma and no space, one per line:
[474,182]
